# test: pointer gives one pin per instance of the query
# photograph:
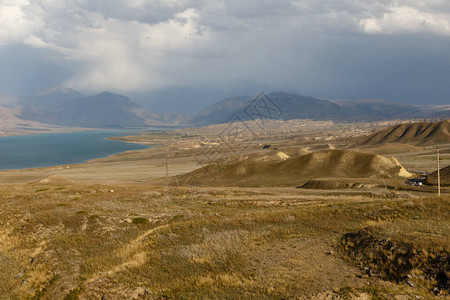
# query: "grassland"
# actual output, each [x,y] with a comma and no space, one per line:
[68,241]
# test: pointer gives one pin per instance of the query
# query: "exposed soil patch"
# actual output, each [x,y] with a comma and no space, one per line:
[333,185]
[398,262]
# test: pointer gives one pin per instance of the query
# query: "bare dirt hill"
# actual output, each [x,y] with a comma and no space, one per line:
[423,134]
[271,155]
[445,177]
[295,151]
[292,171]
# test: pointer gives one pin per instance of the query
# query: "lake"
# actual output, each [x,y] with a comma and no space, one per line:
[52,149]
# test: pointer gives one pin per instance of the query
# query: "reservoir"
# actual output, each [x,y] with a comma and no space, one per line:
[52,149]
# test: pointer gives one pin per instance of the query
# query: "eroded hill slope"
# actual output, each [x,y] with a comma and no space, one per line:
[324,164]
[423,133]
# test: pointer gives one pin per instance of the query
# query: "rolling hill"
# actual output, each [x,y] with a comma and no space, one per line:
[445,177]
[271,155]
[292,171]
[423,134]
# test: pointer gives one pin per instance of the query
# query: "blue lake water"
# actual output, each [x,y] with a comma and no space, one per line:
[52,149]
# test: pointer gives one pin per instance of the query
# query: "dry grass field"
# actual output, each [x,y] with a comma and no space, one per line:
[70,241]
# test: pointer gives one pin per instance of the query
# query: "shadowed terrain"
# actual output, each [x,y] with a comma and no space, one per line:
[444,174]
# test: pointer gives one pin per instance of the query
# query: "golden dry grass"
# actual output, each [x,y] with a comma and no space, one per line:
[74,240]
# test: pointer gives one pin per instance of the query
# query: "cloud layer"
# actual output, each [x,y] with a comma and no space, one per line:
[323,47]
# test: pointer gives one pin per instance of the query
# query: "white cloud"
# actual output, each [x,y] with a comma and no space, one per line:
[145,45]
[127,56]
[406,19]
[15,25]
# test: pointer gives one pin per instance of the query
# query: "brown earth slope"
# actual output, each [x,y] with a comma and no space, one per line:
[445,177]
[424,133]
[270,155]
[292,171]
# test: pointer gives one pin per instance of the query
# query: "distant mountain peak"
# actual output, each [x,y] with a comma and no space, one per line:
[51,98]
[57,90]
[106,93]
[109,98]
[104,110]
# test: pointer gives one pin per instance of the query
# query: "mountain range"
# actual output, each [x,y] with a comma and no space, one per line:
[104,110]
[67,107]
[291,106]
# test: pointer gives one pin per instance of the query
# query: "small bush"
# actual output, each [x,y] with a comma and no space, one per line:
[81,212]
[139,221]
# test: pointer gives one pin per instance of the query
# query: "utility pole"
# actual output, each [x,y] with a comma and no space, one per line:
[438,173]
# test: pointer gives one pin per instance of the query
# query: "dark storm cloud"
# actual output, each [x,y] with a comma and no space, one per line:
[25,70]
[335,49]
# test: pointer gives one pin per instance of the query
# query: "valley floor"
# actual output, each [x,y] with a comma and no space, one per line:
[118,228]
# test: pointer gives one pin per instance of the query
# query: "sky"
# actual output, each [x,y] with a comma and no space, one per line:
[180,55]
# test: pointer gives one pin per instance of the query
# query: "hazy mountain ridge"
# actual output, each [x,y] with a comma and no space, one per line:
[51,98]
[12,125]
[221,112]
[376,109]
[102,110]
[67,107]
[293,106]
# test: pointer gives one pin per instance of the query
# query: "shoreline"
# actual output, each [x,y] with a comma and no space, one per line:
[44,131]
[63,129]
[88,161]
